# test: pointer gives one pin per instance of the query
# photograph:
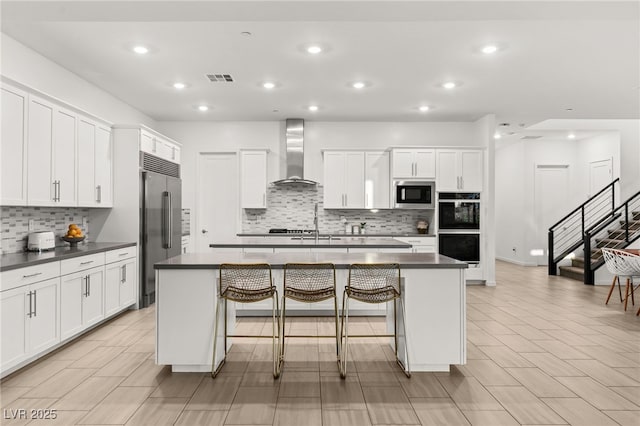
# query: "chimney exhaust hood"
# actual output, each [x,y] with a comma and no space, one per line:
[294,156]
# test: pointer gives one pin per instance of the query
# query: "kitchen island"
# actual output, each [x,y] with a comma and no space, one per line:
[434,294]
[341,243]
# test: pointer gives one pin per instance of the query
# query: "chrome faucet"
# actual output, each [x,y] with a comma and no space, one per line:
[315,222]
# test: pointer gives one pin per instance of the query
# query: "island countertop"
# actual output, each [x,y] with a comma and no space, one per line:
[310,242]
[340,260]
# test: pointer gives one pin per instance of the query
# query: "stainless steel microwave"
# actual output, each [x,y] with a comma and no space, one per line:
[413,194]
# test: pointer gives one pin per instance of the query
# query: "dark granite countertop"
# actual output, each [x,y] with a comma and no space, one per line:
[310,242]
[340,260]
[23,259]
[372,235]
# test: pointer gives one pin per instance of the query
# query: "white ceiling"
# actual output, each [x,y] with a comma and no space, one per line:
[557,55]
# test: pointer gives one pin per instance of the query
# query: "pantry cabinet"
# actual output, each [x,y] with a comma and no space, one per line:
[459,170]
[414,163]
[344,186]
[13,147]
[253,179]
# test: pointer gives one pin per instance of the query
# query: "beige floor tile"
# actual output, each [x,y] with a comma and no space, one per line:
[597,395]
[571,338]
[259,378]
[608,356]
[201,418]
[148,348]
[488,373]
[578,412]
[421,385]
[61,383]
[122,365]
[528,332]
[75,350]
[341,394]
[89,393]
[476,352]
[300,384]
[562,350]
[8,394]
[505,356]
[389,405]
[519,344]
[482,338]
[105,332]
[524,406]
[126,337]
[632,393]
[632,372]
[438,411]
[298,411]
[253,406]
[98,357]
[494,327]
[215,394]
[35,374]
[148,373]
[552,365]
[624,418]
[178,385]
[368,378]
[158,411]
[345,417]
[62,418]
[468,393]
[118,406]
[604,374]
[540,383]
[19,411]
[490,418]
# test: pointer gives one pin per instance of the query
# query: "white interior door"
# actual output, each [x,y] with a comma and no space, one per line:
[600,175]
[551,199]
[218,206]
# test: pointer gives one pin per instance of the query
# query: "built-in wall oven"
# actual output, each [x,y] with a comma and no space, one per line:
[459,225]
[413,194]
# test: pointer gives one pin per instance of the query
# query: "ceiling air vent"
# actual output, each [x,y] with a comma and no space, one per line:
[530,137]
[220,78]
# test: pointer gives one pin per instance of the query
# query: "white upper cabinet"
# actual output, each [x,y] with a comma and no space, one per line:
[344,180]
[95,164]
[103,166]
[159,146]
[253,179]
[459,170]
[64,157]
[415,163]
[40,185]
[376,180]
[13,147]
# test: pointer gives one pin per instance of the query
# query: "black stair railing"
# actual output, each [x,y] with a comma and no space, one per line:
[567,234]
[615,231]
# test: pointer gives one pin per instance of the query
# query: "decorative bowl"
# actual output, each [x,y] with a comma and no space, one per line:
[73,240]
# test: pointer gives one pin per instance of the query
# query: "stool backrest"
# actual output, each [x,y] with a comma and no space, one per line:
[309,276]
[372,277]
[245,278]
[620,262]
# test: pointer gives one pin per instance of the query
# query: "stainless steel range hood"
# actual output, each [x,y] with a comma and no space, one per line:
[294,156]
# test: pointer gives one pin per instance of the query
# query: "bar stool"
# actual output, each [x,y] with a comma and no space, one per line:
[621,264]
[245,283]
[309,283]
[373,283]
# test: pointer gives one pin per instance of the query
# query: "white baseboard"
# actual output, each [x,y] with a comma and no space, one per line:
[515,262]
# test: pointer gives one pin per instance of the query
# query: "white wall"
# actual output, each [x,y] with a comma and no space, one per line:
[597,148]
[28,67]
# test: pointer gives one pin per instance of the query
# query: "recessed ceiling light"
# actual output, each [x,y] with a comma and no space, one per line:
[450,85]
[203,108]
[424,108]
[313,108]
[571,136]
[268,85]
[179,85]
[358,84]
[497,135]
[489,49]
[314,49]
[140,49]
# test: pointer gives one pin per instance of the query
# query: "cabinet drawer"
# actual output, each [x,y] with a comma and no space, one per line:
[419,241]
[120,254]
[29,275]
[81,263]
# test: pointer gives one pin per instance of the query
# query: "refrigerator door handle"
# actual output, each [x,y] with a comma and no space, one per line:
[170,233]
[165,219]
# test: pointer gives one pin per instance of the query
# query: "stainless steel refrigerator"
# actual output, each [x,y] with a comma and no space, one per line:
[161,228]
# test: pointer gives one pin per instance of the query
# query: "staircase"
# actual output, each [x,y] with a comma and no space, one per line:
[593,225]
[615,238]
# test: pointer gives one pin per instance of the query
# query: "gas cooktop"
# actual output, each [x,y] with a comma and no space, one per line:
[290,231]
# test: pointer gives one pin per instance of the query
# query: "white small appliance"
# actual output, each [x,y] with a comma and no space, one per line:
[42,240]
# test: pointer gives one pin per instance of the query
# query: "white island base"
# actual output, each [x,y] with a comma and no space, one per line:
[434,295]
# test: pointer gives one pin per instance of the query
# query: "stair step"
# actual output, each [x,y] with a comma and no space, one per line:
[572,272]
[577,262]
[609,242]
[633,225]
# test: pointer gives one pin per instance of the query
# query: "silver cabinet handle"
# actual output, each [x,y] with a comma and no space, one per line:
[122,274]
[123,254]
[165,219]
[85,279]
[170,239]
[264,199]
[99,193]
[32,275]
[461,182]
[29,314]
[124,269]
[402,195]
[88,285]
[346,201]
[35,303]
[87,262]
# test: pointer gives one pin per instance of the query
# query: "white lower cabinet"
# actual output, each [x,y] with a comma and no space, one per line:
[81,300]
[29,321]
[120,285]
[420,244]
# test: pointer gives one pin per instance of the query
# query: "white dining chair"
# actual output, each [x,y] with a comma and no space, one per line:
[625,265]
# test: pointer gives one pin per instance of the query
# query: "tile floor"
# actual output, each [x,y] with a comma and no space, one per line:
[541,351]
